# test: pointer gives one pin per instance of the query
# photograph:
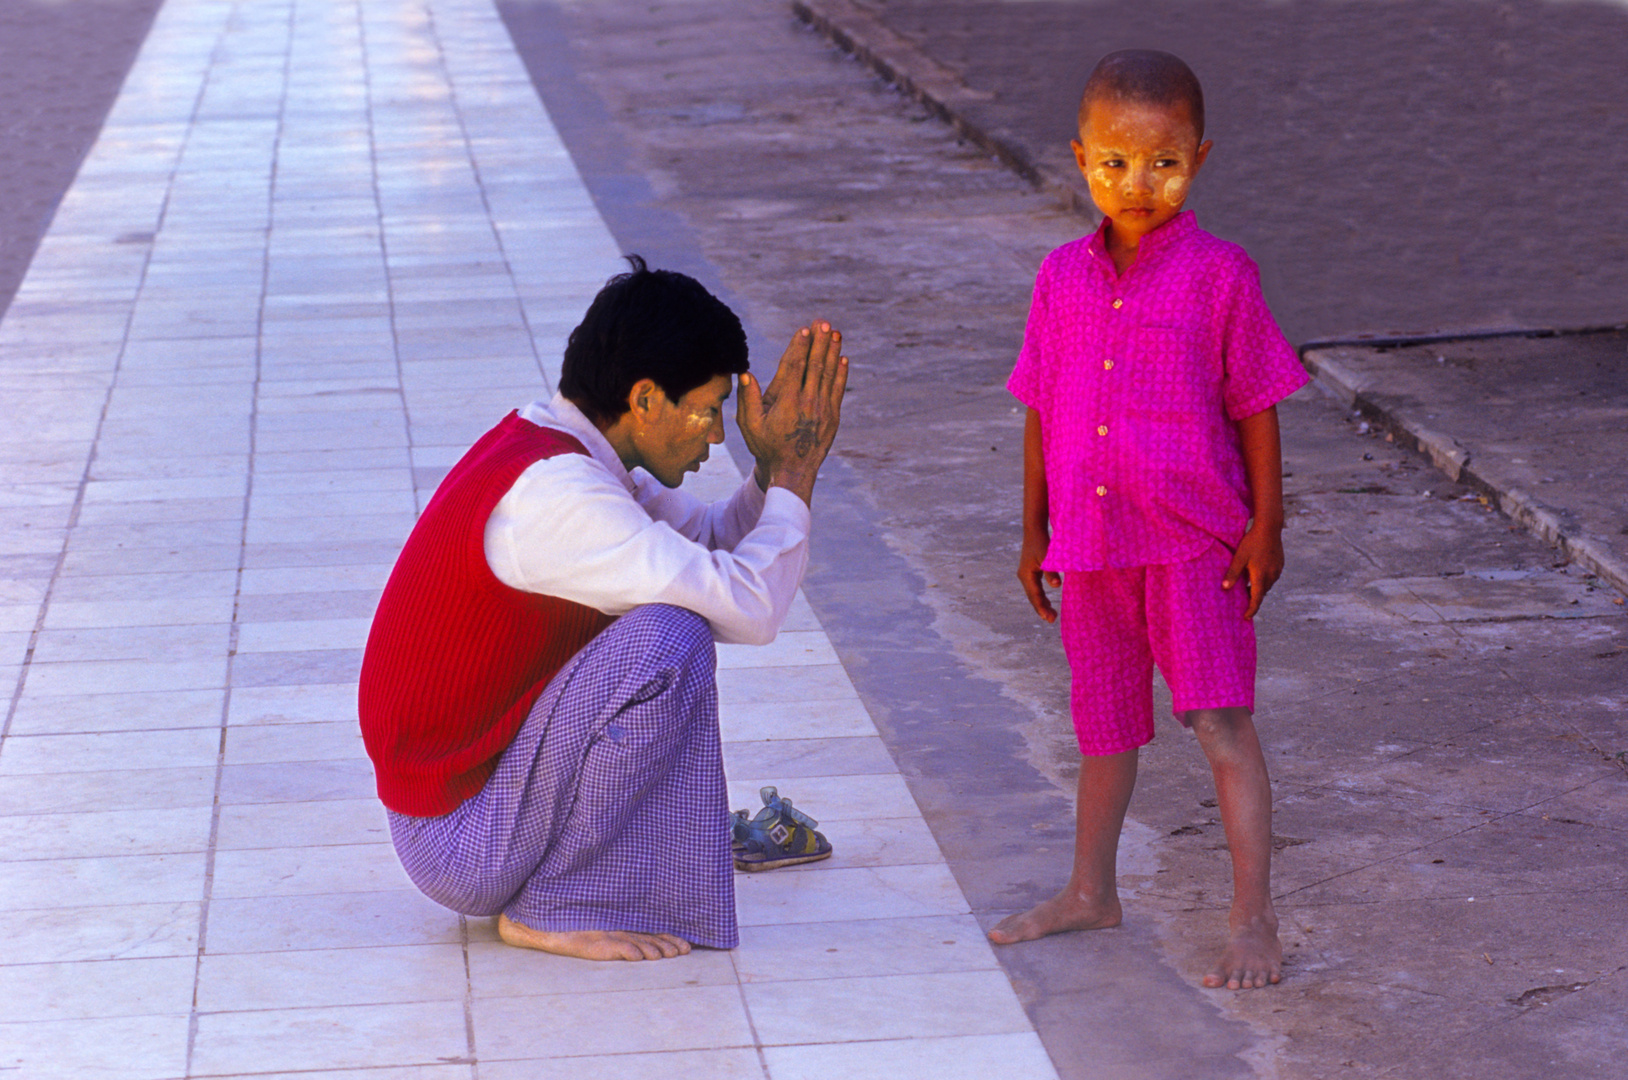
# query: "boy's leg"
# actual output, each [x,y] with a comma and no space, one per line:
[1206,649]
[1253,956]
[1090,900]
[1104,632]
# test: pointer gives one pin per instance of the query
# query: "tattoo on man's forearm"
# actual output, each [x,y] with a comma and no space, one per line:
[804,436]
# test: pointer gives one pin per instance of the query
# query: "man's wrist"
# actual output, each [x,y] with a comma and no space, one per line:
[799,482]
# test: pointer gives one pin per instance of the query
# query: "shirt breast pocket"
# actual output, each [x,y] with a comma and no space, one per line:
[1173,379]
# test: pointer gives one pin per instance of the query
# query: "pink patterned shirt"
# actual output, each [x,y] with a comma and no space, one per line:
[1139,382]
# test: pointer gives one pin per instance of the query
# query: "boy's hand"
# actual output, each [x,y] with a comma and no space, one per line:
[1035,579]
[1260,555]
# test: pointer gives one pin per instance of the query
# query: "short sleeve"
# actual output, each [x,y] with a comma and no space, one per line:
[1262,368]
[1031,375]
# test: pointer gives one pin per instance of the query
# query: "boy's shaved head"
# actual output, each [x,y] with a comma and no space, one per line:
[1147,76]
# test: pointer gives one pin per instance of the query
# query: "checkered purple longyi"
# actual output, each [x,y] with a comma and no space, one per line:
[608,811]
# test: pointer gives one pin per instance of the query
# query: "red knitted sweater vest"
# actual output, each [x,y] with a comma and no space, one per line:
[456,658]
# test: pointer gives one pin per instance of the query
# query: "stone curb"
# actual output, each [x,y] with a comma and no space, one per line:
[856,30]
[1458,462]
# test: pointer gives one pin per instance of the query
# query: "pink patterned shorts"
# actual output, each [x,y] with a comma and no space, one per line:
[1117,624]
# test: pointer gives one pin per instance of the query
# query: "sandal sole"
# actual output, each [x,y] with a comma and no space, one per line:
[775,864]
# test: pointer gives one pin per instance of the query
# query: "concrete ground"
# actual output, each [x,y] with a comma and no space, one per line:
[1440,693]
[1539,424]
[1430,689]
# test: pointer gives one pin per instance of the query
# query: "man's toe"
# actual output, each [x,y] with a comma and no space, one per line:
[635,947]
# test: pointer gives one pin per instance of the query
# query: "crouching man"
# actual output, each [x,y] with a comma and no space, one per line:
[539,694]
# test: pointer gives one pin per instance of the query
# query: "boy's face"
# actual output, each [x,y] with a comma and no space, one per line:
[1140,160]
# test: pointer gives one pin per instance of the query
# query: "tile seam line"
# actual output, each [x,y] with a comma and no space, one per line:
[101,421]
[766,984]
[208,891]
[433,29]
[384,243]
[480,185]
[746,1006]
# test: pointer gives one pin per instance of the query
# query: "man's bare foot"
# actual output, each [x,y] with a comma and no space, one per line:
[1065,911]
[1252,959]
[592,944]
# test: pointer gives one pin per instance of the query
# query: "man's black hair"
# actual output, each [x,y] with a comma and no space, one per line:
[1148,76]
[649,324]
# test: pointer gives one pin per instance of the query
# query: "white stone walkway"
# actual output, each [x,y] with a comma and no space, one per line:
[318,249]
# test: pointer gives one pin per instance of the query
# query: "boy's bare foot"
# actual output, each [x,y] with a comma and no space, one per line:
[1065,911]
[1252,959]
[592,944]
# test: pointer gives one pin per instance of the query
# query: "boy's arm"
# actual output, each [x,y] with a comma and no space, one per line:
[1260,553]
[1036,523]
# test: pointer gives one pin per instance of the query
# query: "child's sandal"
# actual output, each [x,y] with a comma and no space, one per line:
[740,830]
[779,835]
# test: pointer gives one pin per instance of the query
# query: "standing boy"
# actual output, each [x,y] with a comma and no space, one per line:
[1152,489]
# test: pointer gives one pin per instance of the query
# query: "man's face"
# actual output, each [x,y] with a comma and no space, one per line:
[675,437]
[1140,160]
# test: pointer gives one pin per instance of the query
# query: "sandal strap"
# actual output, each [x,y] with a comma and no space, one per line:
[773,804]
[784,839]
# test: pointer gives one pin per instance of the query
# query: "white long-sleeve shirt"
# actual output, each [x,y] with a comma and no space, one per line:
[587,530]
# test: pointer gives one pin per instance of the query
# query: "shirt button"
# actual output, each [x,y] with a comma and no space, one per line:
[1118,304]
[1107,365]
[1102,429]
[1101,490]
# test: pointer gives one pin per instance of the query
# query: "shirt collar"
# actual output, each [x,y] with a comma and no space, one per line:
[562,415]
[1167,235]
